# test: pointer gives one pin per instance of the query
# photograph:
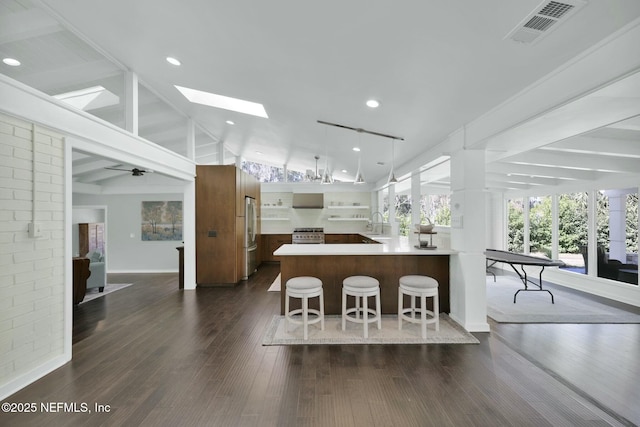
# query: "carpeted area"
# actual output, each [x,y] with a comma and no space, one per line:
[109,288]
[450,333]
[536,307]
[275,286]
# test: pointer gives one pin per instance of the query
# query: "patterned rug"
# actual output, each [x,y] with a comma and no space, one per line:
[536,307]
[450,333]
[93,293]
[275,286]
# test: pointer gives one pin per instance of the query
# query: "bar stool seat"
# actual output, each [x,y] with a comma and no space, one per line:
[304,287]
[422,287]
[361,287]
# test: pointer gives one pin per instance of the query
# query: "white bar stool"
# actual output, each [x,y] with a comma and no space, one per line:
[422,287]
[361,287]
[304,287]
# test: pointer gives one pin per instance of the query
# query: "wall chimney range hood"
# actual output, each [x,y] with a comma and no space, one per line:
[308,200]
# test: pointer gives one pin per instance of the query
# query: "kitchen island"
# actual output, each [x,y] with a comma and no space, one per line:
[388,261]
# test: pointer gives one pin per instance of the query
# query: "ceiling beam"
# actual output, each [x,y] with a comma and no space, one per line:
[600,146]
[577,161]
[26,24]
[505,167]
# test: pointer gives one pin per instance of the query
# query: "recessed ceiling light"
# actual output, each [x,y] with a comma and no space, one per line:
[11,61]
[344,171]
[259,153]
[356,149]
[173,61]
[224,102]
[372,103]
[230,122]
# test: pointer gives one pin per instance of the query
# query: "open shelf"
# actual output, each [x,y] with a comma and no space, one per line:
[348,207]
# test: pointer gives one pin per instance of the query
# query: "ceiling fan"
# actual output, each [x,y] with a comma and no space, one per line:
[134,171]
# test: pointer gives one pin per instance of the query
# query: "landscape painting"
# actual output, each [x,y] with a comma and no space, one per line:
[161,221]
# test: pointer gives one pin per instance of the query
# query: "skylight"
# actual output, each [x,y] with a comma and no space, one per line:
[224,102]
[89,98]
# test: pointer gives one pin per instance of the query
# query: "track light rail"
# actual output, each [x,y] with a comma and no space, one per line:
[360,130]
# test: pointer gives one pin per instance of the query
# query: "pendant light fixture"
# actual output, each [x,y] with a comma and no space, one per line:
[327,177]
[392,176]
[359,178]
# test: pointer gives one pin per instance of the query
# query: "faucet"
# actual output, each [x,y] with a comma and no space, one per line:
[373,218]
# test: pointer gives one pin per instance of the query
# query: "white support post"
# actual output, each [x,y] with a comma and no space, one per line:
[189,235]
[220,153]
[554,227]
[131,102]
[416,195]
[468,224]
[392,210]
[526,212]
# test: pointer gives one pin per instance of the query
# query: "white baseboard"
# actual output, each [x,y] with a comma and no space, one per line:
[140,271]
[35,374]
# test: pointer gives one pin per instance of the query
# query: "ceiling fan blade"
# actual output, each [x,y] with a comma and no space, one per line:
[118,169]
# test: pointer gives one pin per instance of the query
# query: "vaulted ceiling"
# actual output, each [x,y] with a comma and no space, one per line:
[433,66]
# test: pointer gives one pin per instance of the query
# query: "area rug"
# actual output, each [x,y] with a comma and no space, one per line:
[536,307]
[275,286]
[278,333]
[93,293]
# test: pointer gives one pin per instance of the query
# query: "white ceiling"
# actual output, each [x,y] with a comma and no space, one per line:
[434,66]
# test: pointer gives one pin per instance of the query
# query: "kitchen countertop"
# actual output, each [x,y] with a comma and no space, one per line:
[389,245]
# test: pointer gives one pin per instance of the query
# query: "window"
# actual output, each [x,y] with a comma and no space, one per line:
[403,214]
[573,227]
[436,207]
[266,173]
[515,230]
[540,226]
[617,235]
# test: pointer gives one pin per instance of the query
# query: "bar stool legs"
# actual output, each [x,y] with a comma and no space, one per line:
[304,287]
[421,287]
[361,287]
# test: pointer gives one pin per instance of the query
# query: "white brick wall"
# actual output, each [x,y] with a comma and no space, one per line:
[31,269]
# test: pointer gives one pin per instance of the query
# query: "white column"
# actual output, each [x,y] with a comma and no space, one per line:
[592,234]
[416,194]
[617,226]
[392,210]
[526,232]
[131,102]
[189,234]
[239,162]
[468,224]
[285,171]
[220,153]
[555,234]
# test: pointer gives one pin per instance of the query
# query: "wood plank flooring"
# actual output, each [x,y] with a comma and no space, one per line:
[163,357]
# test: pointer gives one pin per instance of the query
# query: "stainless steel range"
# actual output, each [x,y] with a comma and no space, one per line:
[307,235]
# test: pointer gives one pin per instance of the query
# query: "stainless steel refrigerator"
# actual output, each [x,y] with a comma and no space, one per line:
[250,237]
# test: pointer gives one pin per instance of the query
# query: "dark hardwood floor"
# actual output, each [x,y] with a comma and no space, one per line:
[163,357]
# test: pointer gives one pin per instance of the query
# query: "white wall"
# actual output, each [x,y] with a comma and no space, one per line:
[339,204]
[125,251]
[32,273]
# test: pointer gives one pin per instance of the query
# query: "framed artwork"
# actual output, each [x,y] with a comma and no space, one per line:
[161,221]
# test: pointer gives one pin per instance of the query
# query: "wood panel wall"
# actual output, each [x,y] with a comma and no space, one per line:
[220,211]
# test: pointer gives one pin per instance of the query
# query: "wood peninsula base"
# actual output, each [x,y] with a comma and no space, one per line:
[387,268]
